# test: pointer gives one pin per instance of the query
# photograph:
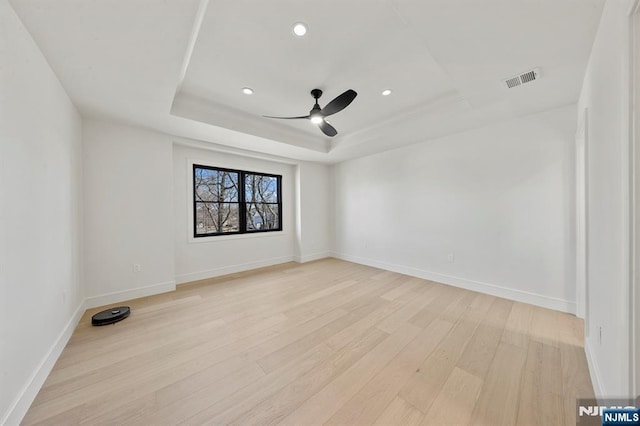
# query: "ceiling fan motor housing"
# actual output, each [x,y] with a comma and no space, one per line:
[315,110]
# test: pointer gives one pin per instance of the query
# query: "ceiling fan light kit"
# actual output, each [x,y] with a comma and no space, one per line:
[300,29]
[317,115]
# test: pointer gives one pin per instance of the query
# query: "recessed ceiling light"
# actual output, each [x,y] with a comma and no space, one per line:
[386,92]
[247,90]
[299,29]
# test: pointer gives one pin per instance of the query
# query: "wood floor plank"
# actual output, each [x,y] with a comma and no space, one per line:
[575,384]
[278,405]
[321,406]
[158,371]
[454,404]
[413,307]
[516,330]
[123,363]
[478,354]
[478,309]
[424,386]
[277,358]
[164,408]
[173,406]
[130,412]
[446,297]
[459,306]
[570,329]
[498,401]
[371,319]
[328,303]
[283,388]
[323,342]
[400,412]
[365,407]
[403,288]
[247,397]
[541,386]
[544,327]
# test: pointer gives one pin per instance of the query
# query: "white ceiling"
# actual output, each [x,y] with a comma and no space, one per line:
[178,66]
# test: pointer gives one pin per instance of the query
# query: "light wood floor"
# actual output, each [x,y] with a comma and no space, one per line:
[328,342]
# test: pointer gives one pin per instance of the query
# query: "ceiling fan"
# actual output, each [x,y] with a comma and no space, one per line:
[317,115]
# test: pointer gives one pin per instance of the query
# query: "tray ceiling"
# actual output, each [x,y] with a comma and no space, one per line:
[179,66]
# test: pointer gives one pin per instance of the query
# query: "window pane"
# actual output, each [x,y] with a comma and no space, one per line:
[214,218]
[215,185]
[261,217]
[261,189]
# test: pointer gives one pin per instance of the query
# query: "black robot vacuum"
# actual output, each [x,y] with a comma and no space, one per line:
[110,316]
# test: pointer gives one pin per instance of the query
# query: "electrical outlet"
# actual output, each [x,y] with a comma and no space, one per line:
[451,258]
[137,267]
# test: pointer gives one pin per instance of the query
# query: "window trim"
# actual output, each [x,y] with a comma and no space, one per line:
[242,203]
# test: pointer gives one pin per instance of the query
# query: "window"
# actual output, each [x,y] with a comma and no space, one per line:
[235,202]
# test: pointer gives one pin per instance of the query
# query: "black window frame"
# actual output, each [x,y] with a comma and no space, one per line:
[242,203]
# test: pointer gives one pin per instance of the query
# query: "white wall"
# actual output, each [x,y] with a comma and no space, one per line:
[314,211]
[606,95]
[213,256]
[138,211]
[500,199]
[40,218]
[129,219]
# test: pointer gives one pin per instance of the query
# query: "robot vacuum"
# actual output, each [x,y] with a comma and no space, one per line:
[110,316]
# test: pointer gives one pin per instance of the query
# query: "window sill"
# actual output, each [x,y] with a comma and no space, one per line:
[221,238]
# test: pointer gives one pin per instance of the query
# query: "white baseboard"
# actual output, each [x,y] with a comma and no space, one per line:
[231,269]
[492,289]
[121,296]
[594,372]
[311,257]
[23,401]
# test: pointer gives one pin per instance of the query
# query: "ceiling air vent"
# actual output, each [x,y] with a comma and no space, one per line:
[523,78]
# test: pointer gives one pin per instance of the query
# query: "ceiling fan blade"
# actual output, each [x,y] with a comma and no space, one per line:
[327,129]
[287,118]
[339,103]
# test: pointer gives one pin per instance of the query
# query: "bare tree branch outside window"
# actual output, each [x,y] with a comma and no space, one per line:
[234,201]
